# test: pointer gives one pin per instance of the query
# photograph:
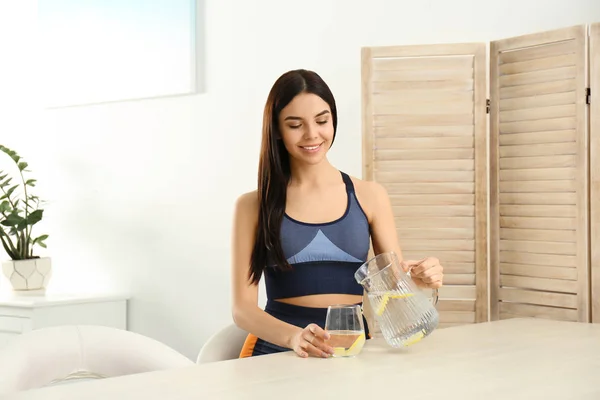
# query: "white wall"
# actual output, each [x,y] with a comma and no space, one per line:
[141,193]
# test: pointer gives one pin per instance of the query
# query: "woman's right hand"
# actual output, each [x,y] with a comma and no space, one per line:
[310,341]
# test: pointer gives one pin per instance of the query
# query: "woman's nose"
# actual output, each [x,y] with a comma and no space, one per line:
[311,131]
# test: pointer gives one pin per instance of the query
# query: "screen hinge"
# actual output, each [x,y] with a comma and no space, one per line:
[488,104]
[588,96]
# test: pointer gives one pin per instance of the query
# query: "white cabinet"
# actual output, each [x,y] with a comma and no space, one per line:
[22,313]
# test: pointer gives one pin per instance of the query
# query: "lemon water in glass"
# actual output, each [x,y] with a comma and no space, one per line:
[344,323]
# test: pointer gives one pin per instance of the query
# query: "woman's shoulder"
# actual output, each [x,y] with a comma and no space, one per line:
[369,190]
[370,194]
[246,206]
[247,201]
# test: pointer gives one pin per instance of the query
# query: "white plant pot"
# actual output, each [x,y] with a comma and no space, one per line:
[32,274]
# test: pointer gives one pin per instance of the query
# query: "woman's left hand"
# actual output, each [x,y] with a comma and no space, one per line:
[426,273]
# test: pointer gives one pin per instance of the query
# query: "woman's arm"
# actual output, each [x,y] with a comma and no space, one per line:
[246,313]
[426,272]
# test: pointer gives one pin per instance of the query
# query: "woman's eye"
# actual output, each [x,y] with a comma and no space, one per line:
[322,122]
[294,126]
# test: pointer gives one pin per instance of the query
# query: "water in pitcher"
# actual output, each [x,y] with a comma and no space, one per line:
[403,317]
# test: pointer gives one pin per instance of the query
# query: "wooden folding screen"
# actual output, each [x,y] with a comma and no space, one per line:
[594,70]
[424,112]
[539,239]
[424,139]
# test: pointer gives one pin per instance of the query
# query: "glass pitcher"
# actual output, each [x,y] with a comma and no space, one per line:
[403,312]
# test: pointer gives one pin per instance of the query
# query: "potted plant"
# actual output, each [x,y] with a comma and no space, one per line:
[19,212]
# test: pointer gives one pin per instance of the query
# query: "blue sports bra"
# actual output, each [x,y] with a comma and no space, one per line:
[324,256]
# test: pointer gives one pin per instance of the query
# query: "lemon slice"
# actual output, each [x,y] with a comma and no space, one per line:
[360,341]
[342,352]
[414,338]
[339,351]
[387,297]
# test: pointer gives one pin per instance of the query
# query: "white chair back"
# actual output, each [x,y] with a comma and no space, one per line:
[226,344]
[63,354]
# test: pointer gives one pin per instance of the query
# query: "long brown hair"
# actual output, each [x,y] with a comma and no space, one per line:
[274,167]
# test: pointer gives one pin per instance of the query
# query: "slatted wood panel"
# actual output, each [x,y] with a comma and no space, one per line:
[594,68]
[424,139]
[539,170]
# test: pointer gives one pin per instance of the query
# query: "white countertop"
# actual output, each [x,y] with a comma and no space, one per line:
[512,359]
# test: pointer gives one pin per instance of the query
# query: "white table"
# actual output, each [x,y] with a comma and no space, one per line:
[511,359]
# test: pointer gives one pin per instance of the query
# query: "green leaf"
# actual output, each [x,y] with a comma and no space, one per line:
[33,201]
[22,224]
[6,182]
[12,220]
[22,165]
[35,217]
[5,207]
[8,247]
[40,240]
[11,190]
[31,182]
[11,153]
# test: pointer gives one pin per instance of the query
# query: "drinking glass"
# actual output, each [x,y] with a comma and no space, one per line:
[344,323]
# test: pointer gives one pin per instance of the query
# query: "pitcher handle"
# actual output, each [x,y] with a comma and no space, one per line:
[434,297]
[434,292]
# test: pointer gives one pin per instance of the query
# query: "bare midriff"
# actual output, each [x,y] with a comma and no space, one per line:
[322,300]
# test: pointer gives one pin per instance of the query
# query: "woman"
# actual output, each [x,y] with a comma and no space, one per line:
[307,228]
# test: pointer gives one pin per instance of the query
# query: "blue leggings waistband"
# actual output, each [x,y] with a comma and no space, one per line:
[301,316]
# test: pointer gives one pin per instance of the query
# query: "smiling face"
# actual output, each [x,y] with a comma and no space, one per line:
[306,128]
